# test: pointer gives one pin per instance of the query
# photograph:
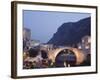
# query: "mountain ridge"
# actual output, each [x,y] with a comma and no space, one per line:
[71,32]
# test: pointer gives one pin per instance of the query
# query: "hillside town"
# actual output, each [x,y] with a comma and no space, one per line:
[44,55]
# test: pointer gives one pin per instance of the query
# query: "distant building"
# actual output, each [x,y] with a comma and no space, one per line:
[46,47]
[85,44]
[34,43]
[26,38]
[26,34]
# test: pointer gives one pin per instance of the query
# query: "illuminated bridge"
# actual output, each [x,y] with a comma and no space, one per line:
[66,56]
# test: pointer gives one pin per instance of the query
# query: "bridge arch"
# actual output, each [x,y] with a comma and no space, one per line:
[78,53]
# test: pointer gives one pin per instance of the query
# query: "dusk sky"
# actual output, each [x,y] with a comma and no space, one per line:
[44,24]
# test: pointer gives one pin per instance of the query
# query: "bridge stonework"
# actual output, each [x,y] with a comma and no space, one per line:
[80,57]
